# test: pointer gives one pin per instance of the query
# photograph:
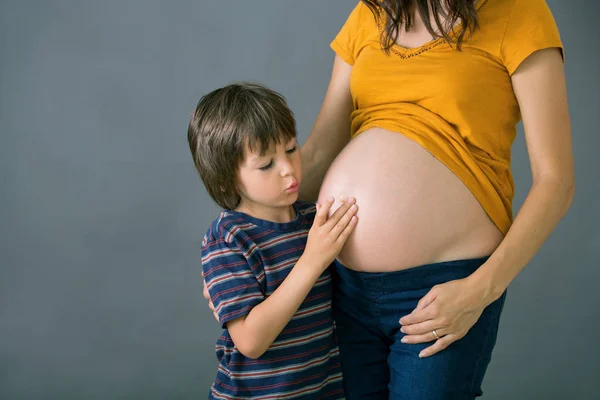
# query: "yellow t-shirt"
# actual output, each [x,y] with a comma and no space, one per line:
[459,105]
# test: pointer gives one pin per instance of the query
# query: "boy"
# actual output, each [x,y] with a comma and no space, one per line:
[265,271]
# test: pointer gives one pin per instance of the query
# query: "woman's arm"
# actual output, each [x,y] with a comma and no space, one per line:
[539,84]
[330,133]
[453,307]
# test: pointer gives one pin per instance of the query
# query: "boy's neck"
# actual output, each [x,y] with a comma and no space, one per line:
[274,214]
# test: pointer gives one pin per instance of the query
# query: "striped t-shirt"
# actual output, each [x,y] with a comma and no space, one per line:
[244,259]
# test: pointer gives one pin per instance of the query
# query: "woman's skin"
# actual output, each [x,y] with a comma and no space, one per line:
[540,88]
[453,308]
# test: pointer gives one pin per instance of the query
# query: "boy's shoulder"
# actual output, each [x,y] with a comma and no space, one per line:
[230,227]
[226,226]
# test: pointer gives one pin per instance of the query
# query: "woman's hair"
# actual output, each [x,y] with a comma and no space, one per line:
[391,14]
[226,122]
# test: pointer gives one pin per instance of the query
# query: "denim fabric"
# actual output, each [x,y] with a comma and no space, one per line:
[377,365]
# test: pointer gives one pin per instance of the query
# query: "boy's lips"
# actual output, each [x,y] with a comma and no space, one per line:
[292,187]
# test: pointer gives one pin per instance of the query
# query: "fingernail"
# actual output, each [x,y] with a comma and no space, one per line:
[331,199]
[403,340]
[402,330]
[353,207]
[421,354]
[342,198]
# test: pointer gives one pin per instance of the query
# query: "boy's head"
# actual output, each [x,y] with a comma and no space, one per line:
[243,142]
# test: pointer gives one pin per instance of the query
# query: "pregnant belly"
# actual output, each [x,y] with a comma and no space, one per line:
[412,209]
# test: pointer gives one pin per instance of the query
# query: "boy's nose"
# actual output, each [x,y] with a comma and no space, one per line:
[287,169]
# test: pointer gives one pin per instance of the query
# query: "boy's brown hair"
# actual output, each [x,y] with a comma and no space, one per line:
[226,122]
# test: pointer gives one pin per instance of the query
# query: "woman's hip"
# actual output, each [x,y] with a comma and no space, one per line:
[367,308]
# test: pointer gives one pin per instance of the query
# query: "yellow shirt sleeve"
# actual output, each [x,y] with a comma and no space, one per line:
[531,27]
[346,43]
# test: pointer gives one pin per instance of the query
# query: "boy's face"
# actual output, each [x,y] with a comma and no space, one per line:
[270,182]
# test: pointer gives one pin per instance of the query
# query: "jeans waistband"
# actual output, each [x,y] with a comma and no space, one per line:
[427,275]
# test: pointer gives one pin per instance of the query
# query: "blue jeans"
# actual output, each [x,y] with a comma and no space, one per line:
[377,365]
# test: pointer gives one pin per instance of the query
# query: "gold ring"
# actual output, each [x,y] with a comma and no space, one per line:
[435,335]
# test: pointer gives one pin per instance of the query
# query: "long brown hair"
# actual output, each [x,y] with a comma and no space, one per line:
[393,13]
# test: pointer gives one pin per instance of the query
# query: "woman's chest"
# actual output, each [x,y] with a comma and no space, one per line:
[435,76]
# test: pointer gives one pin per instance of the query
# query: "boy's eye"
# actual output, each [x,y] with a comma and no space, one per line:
[293,149]
[266,167]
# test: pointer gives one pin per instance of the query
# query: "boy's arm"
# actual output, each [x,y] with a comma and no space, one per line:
[254,322]
[254,333]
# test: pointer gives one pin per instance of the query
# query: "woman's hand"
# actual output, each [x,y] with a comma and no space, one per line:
[450,309]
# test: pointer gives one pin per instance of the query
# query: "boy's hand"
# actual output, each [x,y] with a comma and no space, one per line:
[328,235]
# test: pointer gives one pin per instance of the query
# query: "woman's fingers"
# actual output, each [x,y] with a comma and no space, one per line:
[423,328]
[439,345]
[424,310]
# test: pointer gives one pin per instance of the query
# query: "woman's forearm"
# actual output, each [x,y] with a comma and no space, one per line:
[329,135]
[315,162]
[546,203]
[312,174]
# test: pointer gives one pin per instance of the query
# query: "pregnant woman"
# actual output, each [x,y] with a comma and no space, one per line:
[430,93]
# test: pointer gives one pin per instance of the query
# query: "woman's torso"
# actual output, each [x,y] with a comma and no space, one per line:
[412,209]
[429,164]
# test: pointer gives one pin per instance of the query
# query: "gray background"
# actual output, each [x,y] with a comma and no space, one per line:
[101,211]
